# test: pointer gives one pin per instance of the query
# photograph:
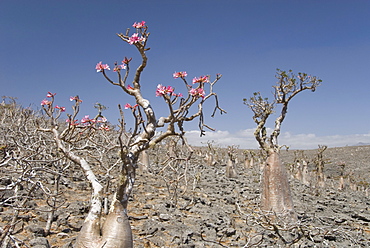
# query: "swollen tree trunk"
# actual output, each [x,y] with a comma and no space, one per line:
[209,159]
[230,169]
[276,195]
[116,230]
[144,161]
[115,233]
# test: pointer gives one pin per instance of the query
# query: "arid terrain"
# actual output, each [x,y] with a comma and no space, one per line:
[196,205]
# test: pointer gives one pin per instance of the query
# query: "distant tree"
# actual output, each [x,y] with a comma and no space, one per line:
[320,163]
[276,195]
[79,136]
[232,159]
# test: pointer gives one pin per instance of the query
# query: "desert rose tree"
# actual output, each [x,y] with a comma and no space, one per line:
[116,230]
[276,195]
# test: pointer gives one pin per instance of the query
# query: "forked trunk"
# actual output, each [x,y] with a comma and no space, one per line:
[115,232]
[276,195]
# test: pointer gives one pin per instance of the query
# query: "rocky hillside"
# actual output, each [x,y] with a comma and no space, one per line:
[196,205]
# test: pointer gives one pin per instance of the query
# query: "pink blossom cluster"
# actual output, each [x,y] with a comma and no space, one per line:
[201,79]
[86,121]
[45,102]
[125,62]
[119,67]
[163,90]
[62,109]
[135,38]
[180,74]
[72,122]
[100,67]
[50,94]
[139,24]
[199,92]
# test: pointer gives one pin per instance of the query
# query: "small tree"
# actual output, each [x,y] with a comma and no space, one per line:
[232,153]
[116,230]
[320,163]
[276,194]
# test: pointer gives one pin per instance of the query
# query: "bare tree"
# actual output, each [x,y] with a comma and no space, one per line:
[276,194]
[31,169]
[320,163]
[232,159]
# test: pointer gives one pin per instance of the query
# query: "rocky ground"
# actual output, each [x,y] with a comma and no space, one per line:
[197,206]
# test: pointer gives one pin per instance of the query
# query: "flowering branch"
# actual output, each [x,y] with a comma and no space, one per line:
[177,115]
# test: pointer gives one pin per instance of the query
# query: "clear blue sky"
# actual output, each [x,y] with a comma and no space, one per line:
[55,45]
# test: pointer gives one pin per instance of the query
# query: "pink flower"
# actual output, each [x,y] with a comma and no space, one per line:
[126,61]
[135,38]
[197,92]
[170,89]
[178,95]
[75,98]
[73,123]
[139,24]
[45,102]
[85,119]
[161,90]
[119,67]
[180,74]
[129,106]
[62,109]
[201,79]
[104,127]
[201,93]
[100,67]
[50,94]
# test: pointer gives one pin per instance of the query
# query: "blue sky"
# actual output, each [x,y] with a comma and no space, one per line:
[55,45]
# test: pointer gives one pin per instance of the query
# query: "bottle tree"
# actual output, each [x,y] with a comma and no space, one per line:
[148,130]
[276,195]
